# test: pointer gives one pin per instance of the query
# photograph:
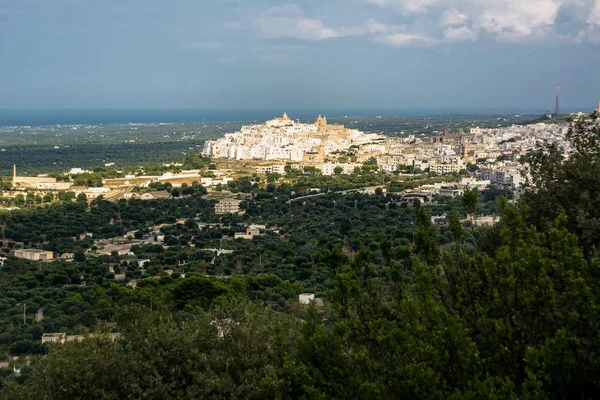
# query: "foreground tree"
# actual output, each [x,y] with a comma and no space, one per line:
[568,180]
[226,353]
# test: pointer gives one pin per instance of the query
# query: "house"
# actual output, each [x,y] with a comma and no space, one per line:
[161,194]
[227,206]
[78,338]
[93,193]
[451,192]
[489,220]
[438,219]
[61,337]
[305,298]
[251,231]
[280,169]
[211,182]
[58,337]
[34,254]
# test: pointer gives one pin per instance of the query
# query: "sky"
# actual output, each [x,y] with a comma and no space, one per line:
[394,54]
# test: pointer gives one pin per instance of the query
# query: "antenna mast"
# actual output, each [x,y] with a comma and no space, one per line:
[557,101]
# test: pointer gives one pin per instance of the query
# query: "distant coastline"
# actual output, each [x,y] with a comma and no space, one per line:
[42,117]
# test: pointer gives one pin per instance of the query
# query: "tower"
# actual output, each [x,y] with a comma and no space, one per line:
[557,101]
[14,170]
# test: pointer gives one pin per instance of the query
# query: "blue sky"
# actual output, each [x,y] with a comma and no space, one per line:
[494,54]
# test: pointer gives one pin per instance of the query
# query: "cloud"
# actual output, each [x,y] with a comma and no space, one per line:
[594,18]
[507,20]
[518,19]
[405,39]
[453,17]
[290,21]
[459,34]
[407,6]
[375,27]
[430,22]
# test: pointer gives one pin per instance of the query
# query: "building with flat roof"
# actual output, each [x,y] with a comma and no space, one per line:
[32,181]
[270,169]
[55,337]
[34,254]
[306,298]
[227,206]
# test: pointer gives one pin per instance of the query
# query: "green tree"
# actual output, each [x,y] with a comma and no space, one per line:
[571,184]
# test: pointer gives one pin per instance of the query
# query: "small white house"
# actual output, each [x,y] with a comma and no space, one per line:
[305,298]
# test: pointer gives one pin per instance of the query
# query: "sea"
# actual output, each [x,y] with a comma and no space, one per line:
[42,117]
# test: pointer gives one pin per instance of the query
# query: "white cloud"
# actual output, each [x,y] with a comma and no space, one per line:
[453,17]
[516,19]
[459,34]
[376,27]
[513,20]
[289,21]
[442,21]
[594,18]
[408,6]
[405,39]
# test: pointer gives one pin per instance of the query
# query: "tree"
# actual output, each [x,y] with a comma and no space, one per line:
[273,177]
[338,170]
[371,161]
[469,201]
[568,184]
[48,198]
[311,170]
[472,167]
[237,351]
[82,199]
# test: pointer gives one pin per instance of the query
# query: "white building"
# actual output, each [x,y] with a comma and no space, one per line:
[271,169]
[227,206]
[34,254]
[305,298]
[212,182]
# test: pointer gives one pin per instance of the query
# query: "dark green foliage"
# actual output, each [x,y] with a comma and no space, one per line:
[228,353]
[568,184]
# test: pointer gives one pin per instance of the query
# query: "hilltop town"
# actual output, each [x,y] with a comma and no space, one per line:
[284,139]
[491,154]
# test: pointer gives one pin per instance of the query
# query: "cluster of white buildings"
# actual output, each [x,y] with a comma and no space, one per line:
[496,151]
[285,139]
